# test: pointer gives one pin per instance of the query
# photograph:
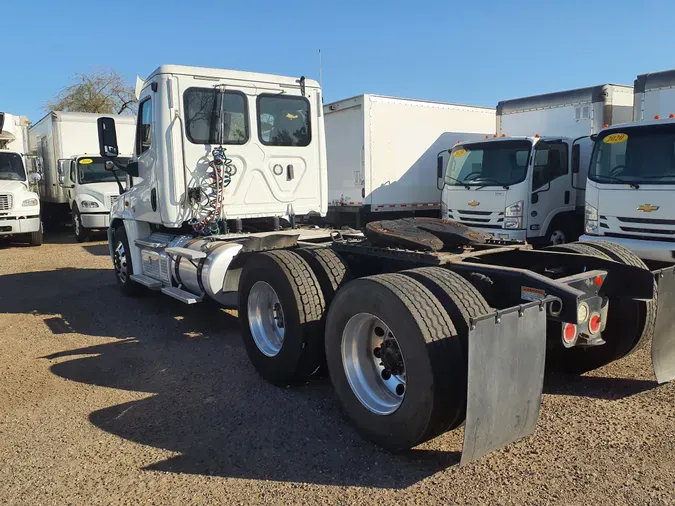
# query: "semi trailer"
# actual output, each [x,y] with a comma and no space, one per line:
[382,154]
[632,175]
[422,324]
[74,182]
[19,204]
[527,182]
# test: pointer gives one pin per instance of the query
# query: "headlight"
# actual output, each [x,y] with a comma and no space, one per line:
[513,223]
[515,209]
[591,225]
[29,203]
[88,204]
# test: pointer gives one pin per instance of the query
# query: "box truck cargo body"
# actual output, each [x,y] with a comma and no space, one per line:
[528,184]
[631,179]
[382,153]
[74,179]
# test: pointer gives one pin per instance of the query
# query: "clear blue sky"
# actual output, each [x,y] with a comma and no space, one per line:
[474,52]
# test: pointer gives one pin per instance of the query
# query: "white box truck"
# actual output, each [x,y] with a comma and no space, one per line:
[631,180]
[420,331]
[527,182]
[19,205]
[74,181]
[382,154]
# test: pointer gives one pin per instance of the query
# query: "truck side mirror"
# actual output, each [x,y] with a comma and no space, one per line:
[107,138]
[439,166]
[576,158]
[36,177]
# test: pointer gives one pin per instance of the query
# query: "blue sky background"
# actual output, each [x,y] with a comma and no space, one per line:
[476,52]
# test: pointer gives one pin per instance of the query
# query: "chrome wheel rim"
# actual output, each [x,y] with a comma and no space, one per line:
[557,237]
[266,319]
[120,262]
[373,363]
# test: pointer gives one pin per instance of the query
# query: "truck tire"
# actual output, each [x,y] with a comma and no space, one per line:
[641,313]
[122,263]
[622,331]
[329,268]
[281,312]
[36,238]
[81,233]
[395,361]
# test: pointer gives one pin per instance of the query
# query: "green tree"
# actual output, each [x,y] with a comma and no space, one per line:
[102,91]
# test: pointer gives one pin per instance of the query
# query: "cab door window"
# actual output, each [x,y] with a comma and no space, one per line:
[144,127]
[550,163]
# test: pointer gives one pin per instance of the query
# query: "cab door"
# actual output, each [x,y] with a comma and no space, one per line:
[551,189]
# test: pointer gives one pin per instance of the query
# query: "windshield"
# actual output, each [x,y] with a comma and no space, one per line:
[92,170]
[11,167]
[639,154]
[501,163]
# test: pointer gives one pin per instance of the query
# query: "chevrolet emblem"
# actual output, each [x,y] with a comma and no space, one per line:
[473,203]
[648,208]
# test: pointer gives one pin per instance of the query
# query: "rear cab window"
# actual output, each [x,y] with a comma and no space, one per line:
[284,120]
[214,116]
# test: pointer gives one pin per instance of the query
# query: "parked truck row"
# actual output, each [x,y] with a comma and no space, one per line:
[422,324]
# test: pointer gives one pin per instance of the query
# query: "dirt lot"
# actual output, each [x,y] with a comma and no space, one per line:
[110,400]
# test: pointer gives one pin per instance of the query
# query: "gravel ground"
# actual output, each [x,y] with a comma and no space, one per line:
[111,400]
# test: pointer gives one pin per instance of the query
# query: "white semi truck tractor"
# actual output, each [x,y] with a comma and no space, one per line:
[527,182]
[422,324]
[19,204]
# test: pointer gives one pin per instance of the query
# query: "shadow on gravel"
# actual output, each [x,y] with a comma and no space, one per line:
[212,407]
[596,387]
[99,250]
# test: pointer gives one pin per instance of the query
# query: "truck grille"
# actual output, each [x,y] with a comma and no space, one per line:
[481,219]
[5,202]
[647,229]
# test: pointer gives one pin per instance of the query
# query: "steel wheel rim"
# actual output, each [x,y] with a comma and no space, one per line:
[266,319]
[378,379]
[120,262]
[557,237]
[76,224]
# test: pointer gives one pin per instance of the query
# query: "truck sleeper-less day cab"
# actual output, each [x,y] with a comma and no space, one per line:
[527,182]
[19,206]
[631,180]
[382,154]
[74,180]
[422,324]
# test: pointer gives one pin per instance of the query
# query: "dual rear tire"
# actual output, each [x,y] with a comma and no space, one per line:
[395,345]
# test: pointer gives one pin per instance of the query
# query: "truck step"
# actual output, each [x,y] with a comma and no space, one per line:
[146,281]
[181,295]
[150,244]
[190,254]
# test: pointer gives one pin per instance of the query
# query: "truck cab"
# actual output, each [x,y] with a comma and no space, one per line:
[516,188]
[91,191]
[19,205]
[629,194]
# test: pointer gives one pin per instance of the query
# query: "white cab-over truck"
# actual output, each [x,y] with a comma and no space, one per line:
[631,180]
[527,182]
[382,154]
[74,180]
[422,324]
[19,205]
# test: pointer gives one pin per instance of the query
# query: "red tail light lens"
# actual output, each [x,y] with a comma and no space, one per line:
[594,323]
[569,333]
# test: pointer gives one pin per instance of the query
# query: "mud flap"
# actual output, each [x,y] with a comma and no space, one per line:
[507,352]
[663,341]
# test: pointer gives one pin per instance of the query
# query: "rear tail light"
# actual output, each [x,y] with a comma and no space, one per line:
[594,323]
[569,334]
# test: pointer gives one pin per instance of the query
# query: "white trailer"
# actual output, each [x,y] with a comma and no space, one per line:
[74,180]
[382,154]
[631,180]
[527,183]
[19,206]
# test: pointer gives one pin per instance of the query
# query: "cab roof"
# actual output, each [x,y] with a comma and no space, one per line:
[230,75]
